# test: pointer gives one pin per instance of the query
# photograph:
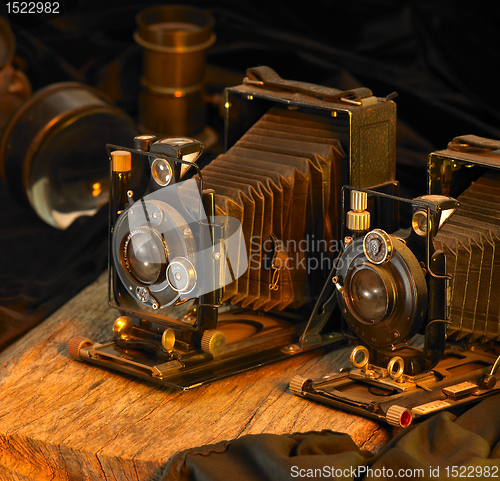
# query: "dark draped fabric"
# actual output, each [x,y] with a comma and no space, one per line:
[443,447]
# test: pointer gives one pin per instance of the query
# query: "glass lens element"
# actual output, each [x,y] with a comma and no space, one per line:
[144,258]
[162,172]
[369,294]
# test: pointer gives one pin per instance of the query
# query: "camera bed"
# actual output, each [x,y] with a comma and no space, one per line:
[251,341]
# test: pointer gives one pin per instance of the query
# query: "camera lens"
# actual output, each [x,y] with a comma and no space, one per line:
[144,259]
[369,294]
[383,304]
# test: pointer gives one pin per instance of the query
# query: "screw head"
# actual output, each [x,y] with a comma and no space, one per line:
[488,381]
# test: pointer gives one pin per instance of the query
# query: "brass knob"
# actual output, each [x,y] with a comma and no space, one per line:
[358,218]
[75,345]
[121,161]
[358,221]
[398,416]
[297,385]
[213,342]
[359,200]
[168,339]
[122,327]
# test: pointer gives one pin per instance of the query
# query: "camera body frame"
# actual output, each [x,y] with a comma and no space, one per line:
[177,232]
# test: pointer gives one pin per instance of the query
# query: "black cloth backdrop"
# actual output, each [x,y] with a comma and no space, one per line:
[441,58]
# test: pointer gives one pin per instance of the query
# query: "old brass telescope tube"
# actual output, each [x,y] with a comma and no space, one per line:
[175,39]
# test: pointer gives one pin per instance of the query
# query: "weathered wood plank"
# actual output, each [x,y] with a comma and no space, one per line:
[66,420]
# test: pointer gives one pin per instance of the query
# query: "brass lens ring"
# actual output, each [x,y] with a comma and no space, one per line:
[366,357]
[383,304]
[162,226]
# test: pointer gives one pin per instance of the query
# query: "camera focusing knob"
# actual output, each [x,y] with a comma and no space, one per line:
[297,385]
[213,342]
[398,416]
[358,218]
[76,344]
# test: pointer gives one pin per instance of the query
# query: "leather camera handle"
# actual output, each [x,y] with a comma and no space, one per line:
[266,77]
[473,143]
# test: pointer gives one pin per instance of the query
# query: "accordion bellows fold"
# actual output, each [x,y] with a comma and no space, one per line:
[471,242]
[282,181]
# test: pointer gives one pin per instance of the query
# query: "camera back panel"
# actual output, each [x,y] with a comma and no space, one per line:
[469,169]
[364,124]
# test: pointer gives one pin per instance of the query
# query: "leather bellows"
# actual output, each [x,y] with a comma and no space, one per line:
[281,180]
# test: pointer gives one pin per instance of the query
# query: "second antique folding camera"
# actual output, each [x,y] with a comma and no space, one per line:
[216,270]
[437,276]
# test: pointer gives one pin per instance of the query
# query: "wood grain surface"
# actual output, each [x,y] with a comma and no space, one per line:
[67,420]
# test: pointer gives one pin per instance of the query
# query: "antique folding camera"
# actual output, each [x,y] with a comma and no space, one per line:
[438,278]
[215,270]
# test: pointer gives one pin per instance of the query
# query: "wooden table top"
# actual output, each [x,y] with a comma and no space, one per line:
[67,420]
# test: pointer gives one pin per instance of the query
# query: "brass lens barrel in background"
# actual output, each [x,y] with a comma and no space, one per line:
[52,154]
[175,39]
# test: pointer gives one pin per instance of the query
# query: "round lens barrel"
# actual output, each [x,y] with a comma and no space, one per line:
[53,156]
